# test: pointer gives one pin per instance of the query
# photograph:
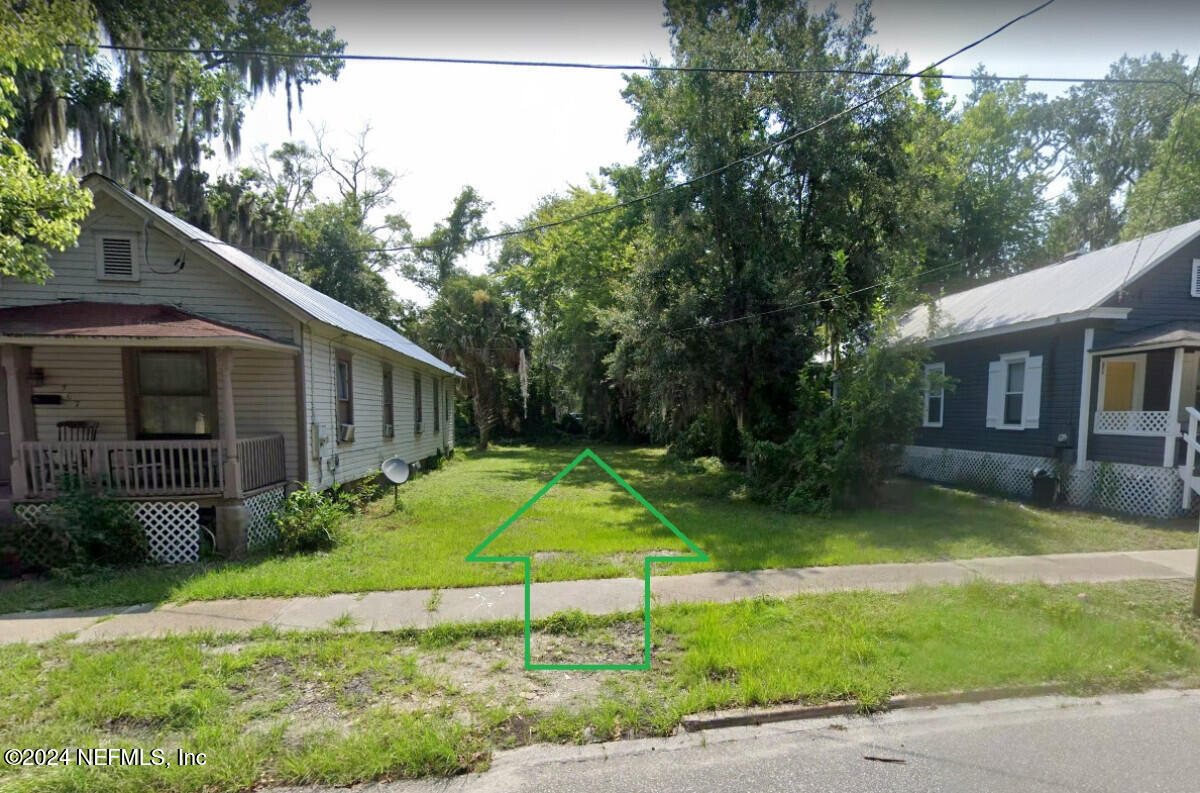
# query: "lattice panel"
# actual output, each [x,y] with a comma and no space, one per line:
[990,473]
[1146,490]
[33,546]
[172,528]
[261,531]
[1133,422]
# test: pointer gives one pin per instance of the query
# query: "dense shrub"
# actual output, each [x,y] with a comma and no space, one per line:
[85,527]
[849,442]
[311,520]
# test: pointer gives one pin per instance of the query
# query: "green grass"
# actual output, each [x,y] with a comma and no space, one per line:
[337,707]
[587,527]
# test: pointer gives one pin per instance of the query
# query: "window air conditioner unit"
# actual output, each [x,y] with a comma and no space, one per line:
[345,433]
[417,426]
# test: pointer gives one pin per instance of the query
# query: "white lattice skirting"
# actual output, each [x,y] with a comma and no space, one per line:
[172,527]
[1119,487]
[261,531]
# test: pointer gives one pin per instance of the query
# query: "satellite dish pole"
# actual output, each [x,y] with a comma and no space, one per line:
[396,471]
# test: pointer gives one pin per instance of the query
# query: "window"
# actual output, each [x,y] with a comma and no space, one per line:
[345,392]
[417,412]
[1122,383]
[1014,392]
[437,423]
[1195,277]
[389,428]
[934,397]
[116,257]
[174,396]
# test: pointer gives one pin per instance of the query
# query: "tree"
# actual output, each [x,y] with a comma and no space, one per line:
[39,211]
[1110,134]
[1169,192]
[475,327]
[720,312]
[436,257]
[149,122]
[1001,147]
[568,278]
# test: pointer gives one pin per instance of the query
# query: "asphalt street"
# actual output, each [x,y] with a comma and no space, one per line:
[1110,744]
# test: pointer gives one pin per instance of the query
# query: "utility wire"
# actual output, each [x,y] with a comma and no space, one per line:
[767,149]
[627,67]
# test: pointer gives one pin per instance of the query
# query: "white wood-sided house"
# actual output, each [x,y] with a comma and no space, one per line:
[197,382]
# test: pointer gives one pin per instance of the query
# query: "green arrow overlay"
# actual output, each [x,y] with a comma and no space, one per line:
[587,454]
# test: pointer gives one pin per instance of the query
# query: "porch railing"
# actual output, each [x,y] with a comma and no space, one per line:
[1133,422]
[263,462]
[148,468]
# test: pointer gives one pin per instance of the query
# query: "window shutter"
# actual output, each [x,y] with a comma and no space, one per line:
[995,394]
[1195,277]
[1032,403]
[116,257]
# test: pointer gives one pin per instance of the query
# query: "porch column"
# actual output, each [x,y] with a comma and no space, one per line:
[15,361]
[231,516]
[228,423]
[1172,431]
[1085,400]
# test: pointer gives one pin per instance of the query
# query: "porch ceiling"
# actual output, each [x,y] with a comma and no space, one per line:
[155,325]
[1169,334]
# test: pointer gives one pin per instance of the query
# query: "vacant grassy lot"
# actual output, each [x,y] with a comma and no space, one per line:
[588,527]
[340,707]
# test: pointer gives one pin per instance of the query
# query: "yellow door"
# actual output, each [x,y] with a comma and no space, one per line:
[1118,385]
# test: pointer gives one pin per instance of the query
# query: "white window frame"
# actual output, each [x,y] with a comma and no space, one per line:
[134,256]
[940,367]
[1195,290]
[1139,379]
[1007,360]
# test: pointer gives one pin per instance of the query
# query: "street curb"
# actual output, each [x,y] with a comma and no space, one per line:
[750,717]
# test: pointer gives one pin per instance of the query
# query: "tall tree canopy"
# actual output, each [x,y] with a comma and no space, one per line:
[39,211]
[149,121]
[715,324]
[1109,133]
[569,279]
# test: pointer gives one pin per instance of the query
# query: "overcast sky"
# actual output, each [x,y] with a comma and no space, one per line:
[517,134]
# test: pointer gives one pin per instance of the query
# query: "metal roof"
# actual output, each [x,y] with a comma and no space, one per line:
[1069,287]
[315,304]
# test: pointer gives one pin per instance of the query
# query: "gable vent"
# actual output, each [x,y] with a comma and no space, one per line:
[116,258]
[1195,277]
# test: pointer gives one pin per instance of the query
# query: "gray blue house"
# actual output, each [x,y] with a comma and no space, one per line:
[1084,367]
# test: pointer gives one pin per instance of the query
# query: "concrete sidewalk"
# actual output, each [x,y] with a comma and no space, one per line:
[420,608]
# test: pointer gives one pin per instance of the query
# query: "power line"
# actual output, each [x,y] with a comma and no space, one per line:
[628,67]
[767,149]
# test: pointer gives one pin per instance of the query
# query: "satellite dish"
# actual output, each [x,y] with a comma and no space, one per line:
[396,470]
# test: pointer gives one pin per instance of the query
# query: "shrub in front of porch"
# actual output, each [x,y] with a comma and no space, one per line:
[311,520]
[85,527]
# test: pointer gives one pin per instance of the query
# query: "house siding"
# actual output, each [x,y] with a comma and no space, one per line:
[1161,295]
[344,462]
[965,408]
[200,287]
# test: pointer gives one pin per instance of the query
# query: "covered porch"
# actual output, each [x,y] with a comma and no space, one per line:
[1143,384]
[149,403]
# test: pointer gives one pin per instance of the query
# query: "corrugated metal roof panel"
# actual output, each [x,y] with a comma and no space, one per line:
[1065,288]
[316,304]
